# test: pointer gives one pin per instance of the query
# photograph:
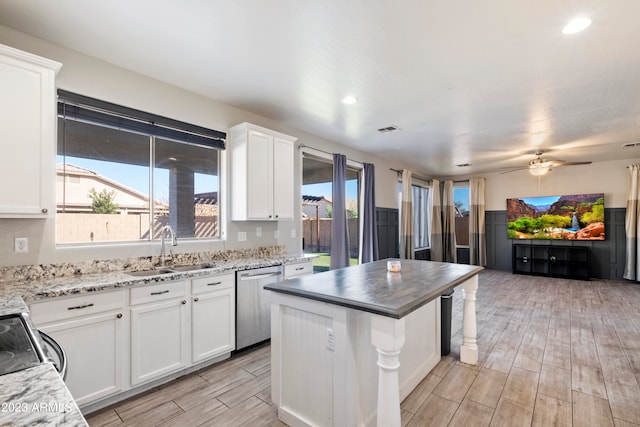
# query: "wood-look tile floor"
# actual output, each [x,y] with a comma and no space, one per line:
[553,352]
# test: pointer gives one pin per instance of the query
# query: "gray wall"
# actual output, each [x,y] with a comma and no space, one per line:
[606,257]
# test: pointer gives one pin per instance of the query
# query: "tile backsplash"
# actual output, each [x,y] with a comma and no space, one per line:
[25,273]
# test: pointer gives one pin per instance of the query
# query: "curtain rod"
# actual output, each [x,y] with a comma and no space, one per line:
[301,146]
[412,174]
[423,178]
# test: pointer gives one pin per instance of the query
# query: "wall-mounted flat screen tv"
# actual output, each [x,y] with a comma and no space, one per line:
[573,217]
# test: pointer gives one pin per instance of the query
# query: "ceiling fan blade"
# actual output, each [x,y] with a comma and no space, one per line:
[512,170]
[556,163]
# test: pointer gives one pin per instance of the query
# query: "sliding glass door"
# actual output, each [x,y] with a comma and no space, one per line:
[317,209]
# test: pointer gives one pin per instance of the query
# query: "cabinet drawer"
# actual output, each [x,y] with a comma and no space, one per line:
[213,283]
[158,292]
[299,269]
[76,306]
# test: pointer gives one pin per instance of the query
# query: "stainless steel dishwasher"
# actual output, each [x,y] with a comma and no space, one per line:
[253,312]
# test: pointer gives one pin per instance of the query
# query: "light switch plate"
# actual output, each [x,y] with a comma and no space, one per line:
[242,236]
[258,231]
[293,233]
[277,234]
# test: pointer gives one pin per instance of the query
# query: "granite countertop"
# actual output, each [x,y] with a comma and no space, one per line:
[37,396]
[369,287]
[70,285]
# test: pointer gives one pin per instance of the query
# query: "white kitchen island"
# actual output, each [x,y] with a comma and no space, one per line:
[348,345]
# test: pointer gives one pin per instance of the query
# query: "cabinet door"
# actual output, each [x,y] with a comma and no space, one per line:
[213,324]
[159,339]
[96,351]
[283,178]
[27,134]
[521,259]
[259,175]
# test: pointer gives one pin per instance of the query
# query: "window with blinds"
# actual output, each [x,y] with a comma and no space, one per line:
[122,174]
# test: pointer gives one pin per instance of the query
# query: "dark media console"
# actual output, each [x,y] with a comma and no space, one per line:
[569,262]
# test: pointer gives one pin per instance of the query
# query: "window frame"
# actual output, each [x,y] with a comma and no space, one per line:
[428,185]
[426,216]
[463,184]
[357,167]
[155,128]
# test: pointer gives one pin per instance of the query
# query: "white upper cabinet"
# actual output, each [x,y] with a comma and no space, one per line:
[27,134]
[261,174]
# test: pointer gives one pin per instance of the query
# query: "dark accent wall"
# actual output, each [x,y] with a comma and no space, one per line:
[606,257]
[388,229]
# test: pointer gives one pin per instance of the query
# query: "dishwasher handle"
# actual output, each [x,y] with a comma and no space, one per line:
[259,276]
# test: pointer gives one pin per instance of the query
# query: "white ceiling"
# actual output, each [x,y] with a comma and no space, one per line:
[468,81]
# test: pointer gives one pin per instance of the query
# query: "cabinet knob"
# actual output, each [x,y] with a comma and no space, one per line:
[270,216]
[184,301]
[45,210]
[119,315]
[196,299]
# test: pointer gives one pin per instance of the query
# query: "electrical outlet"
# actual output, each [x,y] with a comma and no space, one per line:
[293,233]
[277,234]
[242,236]
[331,340]
[258,231]
[21,245]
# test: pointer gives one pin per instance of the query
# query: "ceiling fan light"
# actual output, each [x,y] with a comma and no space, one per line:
[539,171]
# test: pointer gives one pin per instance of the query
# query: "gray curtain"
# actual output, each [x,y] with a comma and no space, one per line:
[477,238]
[406,217]
[448,224]
[436,221]
[339,225]
[369,246]
[631,224]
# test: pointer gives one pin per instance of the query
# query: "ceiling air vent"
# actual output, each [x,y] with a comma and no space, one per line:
[388,129]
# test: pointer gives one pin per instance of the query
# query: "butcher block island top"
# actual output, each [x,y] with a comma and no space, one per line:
[370,287]
[348,345]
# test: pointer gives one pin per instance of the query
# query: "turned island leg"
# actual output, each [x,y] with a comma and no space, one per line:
[469,347]
[387,335]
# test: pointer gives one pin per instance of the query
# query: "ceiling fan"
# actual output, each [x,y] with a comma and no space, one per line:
[541,166]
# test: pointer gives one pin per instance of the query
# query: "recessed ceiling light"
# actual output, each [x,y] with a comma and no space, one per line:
[350,99]
[576,25]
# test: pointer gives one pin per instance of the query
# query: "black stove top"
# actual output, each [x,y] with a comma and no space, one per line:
[17,349]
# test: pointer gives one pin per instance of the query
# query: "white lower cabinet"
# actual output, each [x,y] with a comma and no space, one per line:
[159,330]
[94,332]
[212,316]
[118,340]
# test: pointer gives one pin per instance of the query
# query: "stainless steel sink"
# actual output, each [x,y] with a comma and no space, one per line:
[145,273]
[193,267]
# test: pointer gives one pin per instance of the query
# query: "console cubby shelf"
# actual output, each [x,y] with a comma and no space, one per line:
[569,262]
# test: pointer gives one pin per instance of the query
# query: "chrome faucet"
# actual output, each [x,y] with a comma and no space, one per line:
[174,242]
